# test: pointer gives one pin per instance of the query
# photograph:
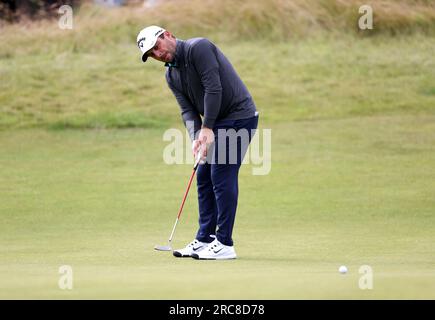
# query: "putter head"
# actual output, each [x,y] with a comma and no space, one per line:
[163,248]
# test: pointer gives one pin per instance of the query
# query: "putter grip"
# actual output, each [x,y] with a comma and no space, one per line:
[198,159]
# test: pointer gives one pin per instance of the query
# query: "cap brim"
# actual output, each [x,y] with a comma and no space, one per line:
[144,57]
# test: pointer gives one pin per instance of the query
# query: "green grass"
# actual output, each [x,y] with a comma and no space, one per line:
[350,191]
[306,79]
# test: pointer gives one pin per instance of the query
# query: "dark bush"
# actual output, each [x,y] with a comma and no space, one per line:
[15,10]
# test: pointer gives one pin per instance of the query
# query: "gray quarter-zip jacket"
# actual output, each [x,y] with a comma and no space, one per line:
[206,85]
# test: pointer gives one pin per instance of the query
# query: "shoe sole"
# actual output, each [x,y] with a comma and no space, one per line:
[196,257]
[179,255]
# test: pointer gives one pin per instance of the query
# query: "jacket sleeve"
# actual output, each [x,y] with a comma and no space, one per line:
[190,116]
[207,66]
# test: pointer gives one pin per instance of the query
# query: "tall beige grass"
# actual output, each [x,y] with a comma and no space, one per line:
[232,19]
[284,18]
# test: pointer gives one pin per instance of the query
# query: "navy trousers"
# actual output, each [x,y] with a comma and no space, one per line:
[217,179]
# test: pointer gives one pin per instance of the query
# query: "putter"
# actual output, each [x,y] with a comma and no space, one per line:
[169,247]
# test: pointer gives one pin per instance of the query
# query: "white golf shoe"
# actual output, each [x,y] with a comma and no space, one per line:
[193,247]
[216,251]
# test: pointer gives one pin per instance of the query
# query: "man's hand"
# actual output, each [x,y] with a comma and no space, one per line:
[195,147]
[205,139]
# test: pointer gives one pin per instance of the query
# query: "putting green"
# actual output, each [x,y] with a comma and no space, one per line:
[356,191]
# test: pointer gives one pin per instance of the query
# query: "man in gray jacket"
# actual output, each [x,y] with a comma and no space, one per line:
[214,104]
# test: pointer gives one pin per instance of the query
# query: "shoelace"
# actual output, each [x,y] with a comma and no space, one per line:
[213,246]
[193,243]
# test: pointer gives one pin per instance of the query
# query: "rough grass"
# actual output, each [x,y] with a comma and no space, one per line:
[97,28]
[294,80]
[301,57]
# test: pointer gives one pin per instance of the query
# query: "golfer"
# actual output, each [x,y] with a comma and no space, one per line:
[215,104]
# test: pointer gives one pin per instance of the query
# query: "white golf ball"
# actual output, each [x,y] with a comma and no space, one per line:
[342,269]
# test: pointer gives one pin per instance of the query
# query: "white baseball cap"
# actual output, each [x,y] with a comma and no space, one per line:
[147,38]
